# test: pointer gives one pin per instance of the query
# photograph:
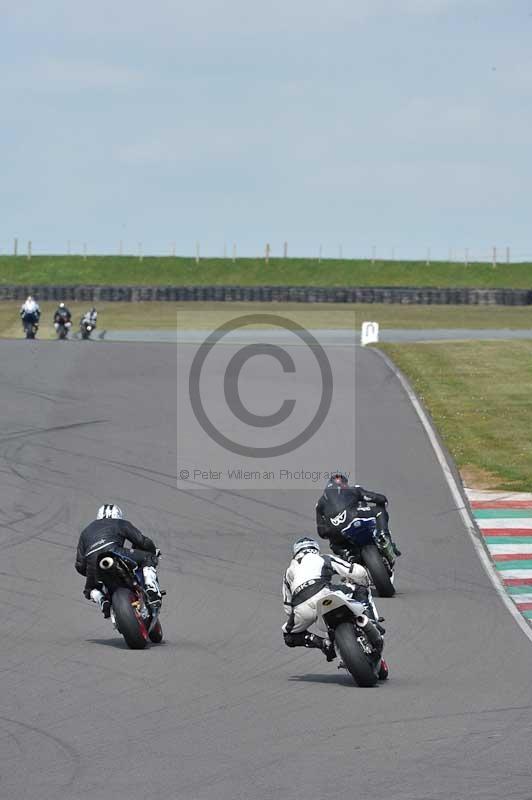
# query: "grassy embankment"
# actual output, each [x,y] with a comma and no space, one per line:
[249,272]
[207,316]
[479,395]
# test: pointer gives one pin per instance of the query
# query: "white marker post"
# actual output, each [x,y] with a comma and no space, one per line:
[370,333]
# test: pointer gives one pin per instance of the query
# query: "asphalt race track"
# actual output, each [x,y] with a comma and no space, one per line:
[223,710]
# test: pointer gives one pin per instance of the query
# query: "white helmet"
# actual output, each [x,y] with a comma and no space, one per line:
[305,544]
[109,511]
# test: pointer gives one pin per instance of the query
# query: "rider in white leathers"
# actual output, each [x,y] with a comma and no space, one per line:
[90,317]
[30,306]
[307,579]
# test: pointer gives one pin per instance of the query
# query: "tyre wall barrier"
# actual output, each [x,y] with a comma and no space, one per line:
[293,294]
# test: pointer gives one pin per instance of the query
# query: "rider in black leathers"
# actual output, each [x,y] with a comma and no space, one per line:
[62,316]
[110,531]
[354,496]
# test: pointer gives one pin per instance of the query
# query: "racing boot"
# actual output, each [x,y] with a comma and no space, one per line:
[326,646]
[392,543]
[103,602]
[151,585]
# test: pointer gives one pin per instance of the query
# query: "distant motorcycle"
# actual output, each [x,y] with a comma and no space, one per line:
[131,614]
[354,635]
[86,328]
[30,325]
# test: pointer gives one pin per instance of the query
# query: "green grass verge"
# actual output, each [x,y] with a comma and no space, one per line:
[478,394]
[250,272]
[207,316]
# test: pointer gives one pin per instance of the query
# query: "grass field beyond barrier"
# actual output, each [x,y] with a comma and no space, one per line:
[104,270]
[479,396]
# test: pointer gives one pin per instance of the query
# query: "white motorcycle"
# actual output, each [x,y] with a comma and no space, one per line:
[86,327]
[354,635]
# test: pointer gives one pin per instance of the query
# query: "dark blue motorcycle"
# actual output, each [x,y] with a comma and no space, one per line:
[370,547]
[30,324]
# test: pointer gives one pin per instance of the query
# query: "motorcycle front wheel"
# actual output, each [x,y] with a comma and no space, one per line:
[128,619]
[354,658]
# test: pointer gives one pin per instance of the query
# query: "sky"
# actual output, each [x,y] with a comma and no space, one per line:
[354,126]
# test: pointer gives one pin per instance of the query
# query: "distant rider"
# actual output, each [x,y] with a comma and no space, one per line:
[352,497]
[30,311]
[62,316]
[307,579]
[109,531]
[90,317]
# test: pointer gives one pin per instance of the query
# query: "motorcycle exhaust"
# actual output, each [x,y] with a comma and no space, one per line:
[106,562]
[370,630]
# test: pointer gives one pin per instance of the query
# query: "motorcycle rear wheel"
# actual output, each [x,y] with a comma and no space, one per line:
[130,626]
[356,661]
[373,561]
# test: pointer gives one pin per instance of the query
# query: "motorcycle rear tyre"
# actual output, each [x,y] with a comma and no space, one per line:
[356,661]
[126,619]
[373,561]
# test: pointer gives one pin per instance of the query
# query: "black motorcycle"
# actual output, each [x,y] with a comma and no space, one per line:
[131,613]
[30,325]
[62,328]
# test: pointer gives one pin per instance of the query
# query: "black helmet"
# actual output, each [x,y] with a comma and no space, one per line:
[338,479]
